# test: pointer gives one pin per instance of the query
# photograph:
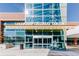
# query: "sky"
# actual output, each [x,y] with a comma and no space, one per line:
[73,12]
[11,7]
[72,9]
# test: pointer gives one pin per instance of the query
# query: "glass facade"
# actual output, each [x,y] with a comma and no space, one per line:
[14,36]
[38,38]
[41,38]
[43,12]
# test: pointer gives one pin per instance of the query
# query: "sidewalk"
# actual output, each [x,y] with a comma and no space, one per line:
[15,51]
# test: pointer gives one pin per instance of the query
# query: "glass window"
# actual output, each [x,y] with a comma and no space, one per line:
[56,32]
[45,46]
[28,32]
[10,29]
[47,5]
[57,12]
[20,33]
[29,19]
[9,33]
[55,39]
[9,39]
[19,29]
[61,38]
[38,6]
[49,40]
[47,12]
[56,5]
[37,46]
[19,39]
[38,12]
[37,19]
[35,40]
[37,32]
[28,45]
[62,32]
[45,40]
[40,40]
[48,19]
[57,19]
[28,38]
[47,32]
[28,6]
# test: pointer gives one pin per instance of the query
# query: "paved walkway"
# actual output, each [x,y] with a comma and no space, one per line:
[63,53]
[25,52]
[70,52]
[37,52]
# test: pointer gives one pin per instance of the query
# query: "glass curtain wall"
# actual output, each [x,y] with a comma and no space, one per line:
[46,38]
[43,12]
[15,36]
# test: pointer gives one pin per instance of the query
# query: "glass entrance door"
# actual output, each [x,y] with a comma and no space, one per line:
[37,42]
[42,42]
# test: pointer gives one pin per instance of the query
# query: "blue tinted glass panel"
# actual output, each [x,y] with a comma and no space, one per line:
[37,19]
[48,6]
[28,6]
[47,12]
[19,29]
[10,29]
[56,5]
[29,19]
[38,6]
[48,19]
[9,33]
[20,33]
[57,12]
[37,12]
[58,19]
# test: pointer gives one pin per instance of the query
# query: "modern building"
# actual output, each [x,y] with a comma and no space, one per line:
[73,35]
[41,25]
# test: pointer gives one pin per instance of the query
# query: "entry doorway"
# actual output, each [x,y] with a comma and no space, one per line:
[42,42]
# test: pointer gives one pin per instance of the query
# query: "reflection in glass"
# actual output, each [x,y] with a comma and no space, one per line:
[19,39]
[20,33]
[47,5]
[37,19]
[57,19]
[38,6]
[56,5]
[56,12]
[47,12]
[48,19]
[28,6]
[29,19]
[38,12]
